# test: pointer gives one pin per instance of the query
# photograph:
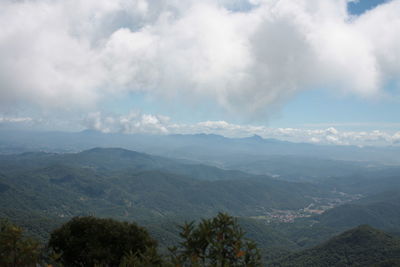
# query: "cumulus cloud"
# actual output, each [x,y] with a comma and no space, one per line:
[136,122]
[133,122]
[247,56]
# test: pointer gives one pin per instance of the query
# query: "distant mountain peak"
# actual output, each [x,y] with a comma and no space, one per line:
[205,135]
[110,150]
[257,137]
[253,138]
[361,234]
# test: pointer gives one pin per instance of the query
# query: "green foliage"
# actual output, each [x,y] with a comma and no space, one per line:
[15,249]
[215,242]
[90,241]
[148,258]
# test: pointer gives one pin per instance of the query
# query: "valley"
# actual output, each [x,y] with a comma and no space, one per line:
[317,207]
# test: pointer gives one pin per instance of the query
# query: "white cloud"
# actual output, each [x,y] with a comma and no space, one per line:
[396,138]
[15,119]
[72,54]
[133,122]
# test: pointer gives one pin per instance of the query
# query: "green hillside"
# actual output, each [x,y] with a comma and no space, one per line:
[380,210]
[129,185]
[361,246]
[40,191]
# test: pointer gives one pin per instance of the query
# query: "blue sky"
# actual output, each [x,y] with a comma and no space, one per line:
[319,108]
[278,68]
[359,7]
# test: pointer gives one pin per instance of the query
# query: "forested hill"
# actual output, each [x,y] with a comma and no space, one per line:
[39,191]
[39,188]
[361,246]
[381,210]
[109,160]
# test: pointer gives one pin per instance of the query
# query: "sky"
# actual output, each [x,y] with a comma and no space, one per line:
[320,71]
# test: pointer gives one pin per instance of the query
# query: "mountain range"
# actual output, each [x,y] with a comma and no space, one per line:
[283,212]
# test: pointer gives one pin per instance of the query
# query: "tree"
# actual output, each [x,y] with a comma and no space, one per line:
[215,242]
[149,258]
[15,249]
[90,241]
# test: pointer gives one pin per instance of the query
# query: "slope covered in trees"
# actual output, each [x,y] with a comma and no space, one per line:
[129,185]
[40,191]
[361,246]
[381,211]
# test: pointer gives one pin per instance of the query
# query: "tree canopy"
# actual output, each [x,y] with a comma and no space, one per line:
[215,242]
[90,241]
[15,248]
